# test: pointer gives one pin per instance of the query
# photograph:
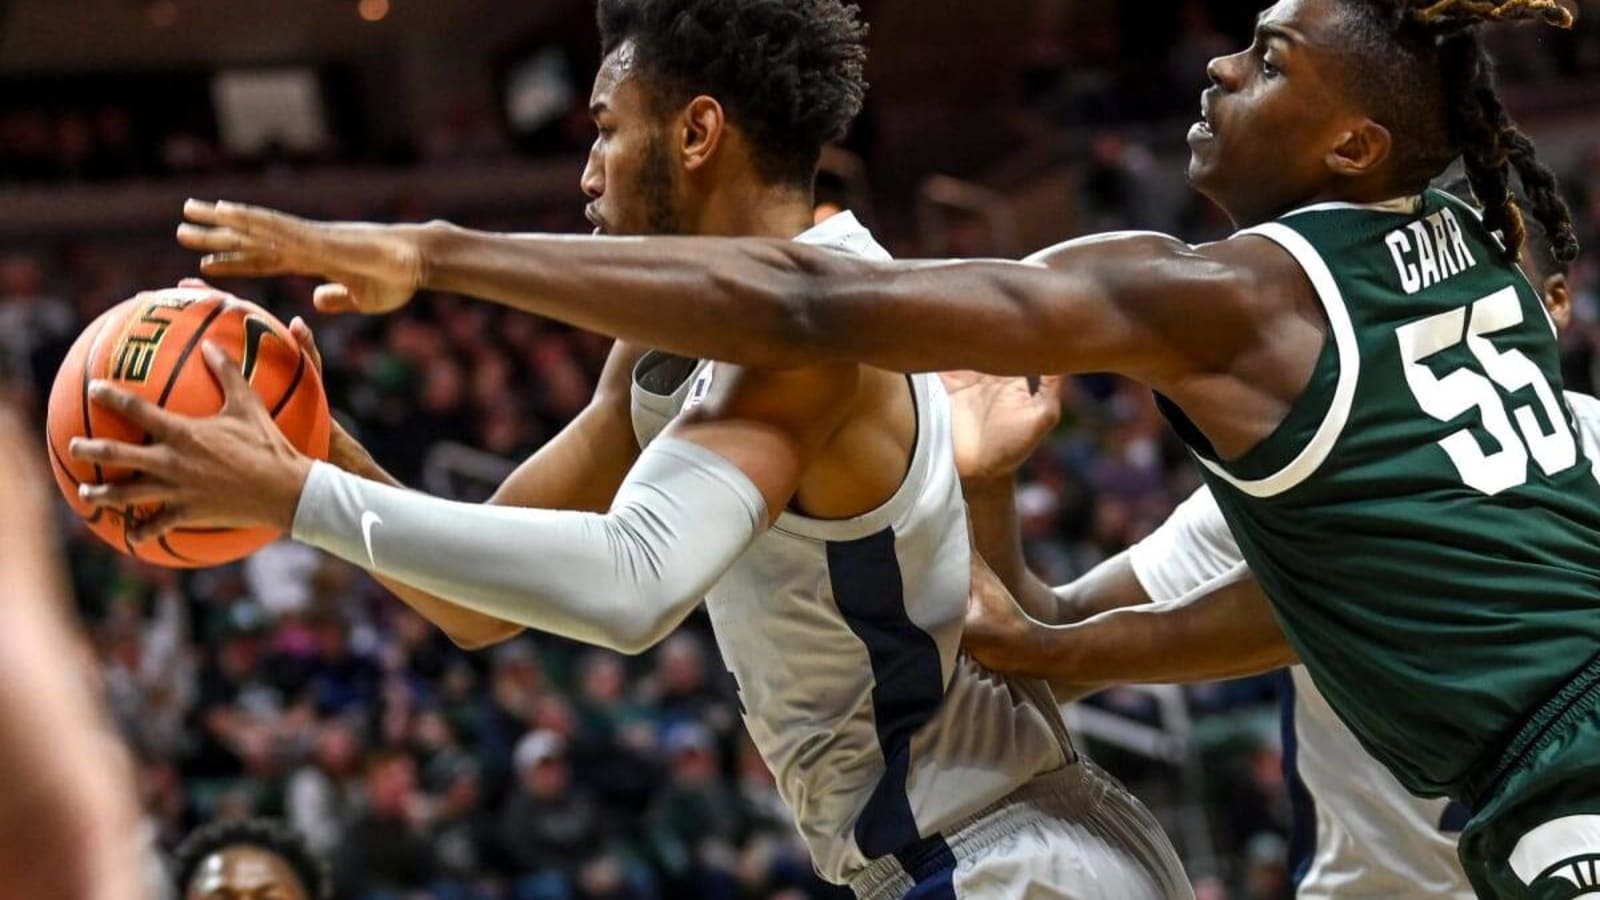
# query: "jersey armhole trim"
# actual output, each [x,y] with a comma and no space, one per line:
[1327,434]
[889,513]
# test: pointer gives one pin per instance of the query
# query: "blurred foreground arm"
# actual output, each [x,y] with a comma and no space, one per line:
[68,815]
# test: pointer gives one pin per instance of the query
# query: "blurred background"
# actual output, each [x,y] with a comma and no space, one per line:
[291,686]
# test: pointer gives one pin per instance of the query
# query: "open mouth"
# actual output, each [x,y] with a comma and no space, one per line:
[595,220]
[1204,129]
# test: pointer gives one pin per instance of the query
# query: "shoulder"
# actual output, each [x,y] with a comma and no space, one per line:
[798,395]
[616,379]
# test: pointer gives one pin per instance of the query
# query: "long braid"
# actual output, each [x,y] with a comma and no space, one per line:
[1491,145]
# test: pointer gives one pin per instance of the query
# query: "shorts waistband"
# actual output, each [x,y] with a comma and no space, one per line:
[1576,697]
[891,877]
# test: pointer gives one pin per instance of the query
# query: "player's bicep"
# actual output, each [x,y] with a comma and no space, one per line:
[1122,303]
[770,424]
[582,466]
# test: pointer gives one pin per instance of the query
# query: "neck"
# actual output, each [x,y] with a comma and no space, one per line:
[1361,193]
[751,210]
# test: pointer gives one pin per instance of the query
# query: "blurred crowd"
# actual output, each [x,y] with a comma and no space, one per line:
[1082,64]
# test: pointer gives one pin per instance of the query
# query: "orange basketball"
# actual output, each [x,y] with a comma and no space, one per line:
[150,346]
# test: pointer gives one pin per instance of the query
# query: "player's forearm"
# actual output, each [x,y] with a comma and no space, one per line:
[1225,630]
[782,304]
[730,300]
[997,537]
[466,628]
[621,580]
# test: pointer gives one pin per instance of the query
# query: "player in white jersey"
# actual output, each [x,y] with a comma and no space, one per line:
[1357,832]
[818,507]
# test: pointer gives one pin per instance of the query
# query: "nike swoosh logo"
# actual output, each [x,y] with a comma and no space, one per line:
[369,519]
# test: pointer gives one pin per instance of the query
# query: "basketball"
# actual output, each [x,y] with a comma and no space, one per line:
[149,345]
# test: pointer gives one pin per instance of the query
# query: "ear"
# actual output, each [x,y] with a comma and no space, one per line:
[1558,300]
[1361,150]
[703,131]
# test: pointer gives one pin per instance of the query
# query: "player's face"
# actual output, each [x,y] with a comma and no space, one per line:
[631,179]
[245,873]
[1271,118]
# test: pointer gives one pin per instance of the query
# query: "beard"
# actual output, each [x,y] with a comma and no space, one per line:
[655,189]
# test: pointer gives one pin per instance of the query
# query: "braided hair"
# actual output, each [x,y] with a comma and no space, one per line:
[1426,74]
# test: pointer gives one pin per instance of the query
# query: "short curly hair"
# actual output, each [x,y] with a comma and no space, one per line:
[267,834]
[790,73]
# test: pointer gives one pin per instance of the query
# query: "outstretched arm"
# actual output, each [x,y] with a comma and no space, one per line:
[1122,303]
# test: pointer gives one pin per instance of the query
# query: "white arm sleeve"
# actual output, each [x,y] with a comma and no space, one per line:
[622,580]
[1193,548]
[1586,410]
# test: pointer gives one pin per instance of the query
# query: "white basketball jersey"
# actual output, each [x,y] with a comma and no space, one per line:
[1370,837]
[843,638]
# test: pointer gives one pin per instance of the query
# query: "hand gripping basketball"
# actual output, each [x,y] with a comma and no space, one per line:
[234,469]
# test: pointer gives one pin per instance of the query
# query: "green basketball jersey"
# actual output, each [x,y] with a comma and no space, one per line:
[1424,519]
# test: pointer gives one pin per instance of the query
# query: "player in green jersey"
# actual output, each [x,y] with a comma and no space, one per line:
[1362,368]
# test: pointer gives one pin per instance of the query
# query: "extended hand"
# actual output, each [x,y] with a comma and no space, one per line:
[370,268]
[998,633]
[232,470]
[998,422]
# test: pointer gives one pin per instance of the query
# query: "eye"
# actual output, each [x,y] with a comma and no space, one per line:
[1268,69]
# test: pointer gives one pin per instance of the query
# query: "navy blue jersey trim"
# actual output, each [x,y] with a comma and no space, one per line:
[1302,807]
[908,682]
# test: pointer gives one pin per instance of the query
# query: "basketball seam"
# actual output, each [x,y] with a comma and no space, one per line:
[168,547]
[294,384]
[88,368]
[55,457]
[188,348]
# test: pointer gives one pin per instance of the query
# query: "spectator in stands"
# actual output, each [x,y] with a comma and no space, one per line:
[681,689]
[384,852]
[548,825]
[322,793]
